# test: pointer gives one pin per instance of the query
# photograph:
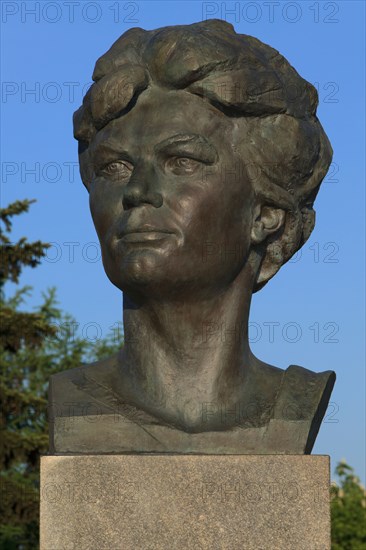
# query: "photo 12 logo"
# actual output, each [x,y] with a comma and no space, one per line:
[70,11]
[272,11]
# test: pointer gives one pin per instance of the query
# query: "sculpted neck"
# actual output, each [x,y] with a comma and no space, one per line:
[179,354]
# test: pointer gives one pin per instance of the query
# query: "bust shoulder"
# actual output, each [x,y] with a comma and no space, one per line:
[303,392]
[300,406]
[70,390]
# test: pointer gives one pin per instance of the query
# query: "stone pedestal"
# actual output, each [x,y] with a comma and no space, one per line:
[180,502]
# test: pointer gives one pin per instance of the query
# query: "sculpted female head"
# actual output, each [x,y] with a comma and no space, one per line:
[204,134]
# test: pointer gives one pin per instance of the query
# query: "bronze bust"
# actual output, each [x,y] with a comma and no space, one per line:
[202,155]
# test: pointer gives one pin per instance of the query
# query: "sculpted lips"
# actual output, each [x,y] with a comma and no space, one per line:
[143,233]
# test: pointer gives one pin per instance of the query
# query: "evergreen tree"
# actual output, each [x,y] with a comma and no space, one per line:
[33,345]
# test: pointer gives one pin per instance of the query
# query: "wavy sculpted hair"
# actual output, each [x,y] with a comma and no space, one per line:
[286,150]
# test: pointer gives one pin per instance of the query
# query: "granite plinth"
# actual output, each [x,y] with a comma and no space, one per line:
[173,502]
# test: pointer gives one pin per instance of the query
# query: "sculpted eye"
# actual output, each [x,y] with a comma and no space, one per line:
[182,165]
[120,169]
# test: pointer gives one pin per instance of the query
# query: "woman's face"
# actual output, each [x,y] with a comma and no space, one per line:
[170,198]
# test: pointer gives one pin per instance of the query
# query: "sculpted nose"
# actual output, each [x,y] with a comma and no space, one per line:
[142,189]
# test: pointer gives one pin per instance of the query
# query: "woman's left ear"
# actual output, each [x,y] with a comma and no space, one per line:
[267,220]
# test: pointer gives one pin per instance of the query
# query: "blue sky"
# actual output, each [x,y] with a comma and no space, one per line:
[312,313]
